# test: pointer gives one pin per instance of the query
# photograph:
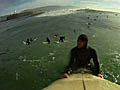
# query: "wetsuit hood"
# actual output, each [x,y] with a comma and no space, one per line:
[83,38]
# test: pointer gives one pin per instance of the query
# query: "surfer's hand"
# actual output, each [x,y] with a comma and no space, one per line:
[65,75]
[100,75]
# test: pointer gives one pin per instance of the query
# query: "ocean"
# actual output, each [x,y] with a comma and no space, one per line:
[35,66]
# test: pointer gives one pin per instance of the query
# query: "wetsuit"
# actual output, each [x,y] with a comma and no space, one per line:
[48,40]
[81,57]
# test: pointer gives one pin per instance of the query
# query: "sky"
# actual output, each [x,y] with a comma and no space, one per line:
[9,6]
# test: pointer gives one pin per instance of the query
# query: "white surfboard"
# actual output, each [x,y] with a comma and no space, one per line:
[24,42]
[45,42]
[83,82]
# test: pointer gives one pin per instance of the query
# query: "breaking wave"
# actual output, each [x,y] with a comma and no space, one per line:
[57,13]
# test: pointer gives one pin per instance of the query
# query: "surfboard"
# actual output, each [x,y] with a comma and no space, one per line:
[82,82]
[45,42]
[57,42]
[24,42]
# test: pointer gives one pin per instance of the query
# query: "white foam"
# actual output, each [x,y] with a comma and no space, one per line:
[51,54]
[57,13]
[53,58]
[17,76]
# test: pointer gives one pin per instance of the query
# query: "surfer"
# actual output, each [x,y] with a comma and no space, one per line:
[28,42]
[31,40]
[48,40]
[35,38]
[81,56]
[62,38]
[74,31]
[55,36]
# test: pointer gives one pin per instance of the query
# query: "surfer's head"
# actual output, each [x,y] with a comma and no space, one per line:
[82,41]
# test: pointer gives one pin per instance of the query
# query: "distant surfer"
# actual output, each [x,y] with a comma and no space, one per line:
[74,31]
[28,42]
[88,24]
[81,56]
[48,40]
[55,36]
[107,16]
[95,19]
[88,17]
[62,38]
[31,40]
[35,38]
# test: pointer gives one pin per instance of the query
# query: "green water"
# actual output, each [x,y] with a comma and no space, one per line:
[36,66]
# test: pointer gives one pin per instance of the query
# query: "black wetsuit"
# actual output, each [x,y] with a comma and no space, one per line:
[48,40]
[28,42]
[80,58]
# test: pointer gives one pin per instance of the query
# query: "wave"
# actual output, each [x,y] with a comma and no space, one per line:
[57,13]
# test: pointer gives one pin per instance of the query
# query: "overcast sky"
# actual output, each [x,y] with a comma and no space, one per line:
[8,6]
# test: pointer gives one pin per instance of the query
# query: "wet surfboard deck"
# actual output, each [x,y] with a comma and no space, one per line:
[82,82]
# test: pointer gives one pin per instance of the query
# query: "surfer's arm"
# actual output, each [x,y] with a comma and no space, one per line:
[69,67]
[97,67]
[96,63]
